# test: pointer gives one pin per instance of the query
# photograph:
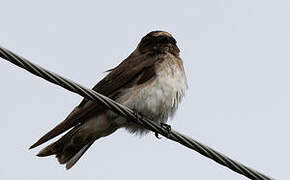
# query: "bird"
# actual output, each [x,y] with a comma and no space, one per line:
[150,81]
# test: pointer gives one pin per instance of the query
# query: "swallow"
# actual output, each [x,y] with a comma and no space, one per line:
[151,81]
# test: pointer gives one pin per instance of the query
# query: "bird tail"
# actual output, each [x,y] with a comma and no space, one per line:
[69,148]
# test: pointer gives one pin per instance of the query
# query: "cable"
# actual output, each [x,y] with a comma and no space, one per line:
[131,115]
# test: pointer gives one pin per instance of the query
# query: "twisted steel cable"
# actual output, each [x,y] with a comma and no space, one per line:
[131,115]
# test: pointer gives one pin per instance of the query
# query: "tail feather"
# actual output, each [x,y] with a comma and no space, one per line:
[67,153]
[66,150]
[60,128]
[77,116]
[70,163]
[58,145]
[71,146]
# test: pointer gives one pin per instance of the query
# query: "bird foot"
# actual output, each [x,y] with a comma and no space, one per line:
[157,135]
[167,128]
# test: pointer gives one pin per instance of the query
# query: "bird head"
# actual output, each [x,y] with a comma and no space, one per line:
[158,42]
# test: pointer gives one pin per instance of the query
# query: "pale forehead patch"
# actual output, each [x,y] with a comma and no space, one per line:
[162,33]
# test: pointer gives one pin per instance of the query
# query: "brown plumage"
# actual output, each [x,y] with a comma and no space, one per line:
[134,82]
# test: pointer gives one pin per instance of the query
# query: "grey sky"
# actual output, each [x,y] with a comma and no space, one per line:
[236,56]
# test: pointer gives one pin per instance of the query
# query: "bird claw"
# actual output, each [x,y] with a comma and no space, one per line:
[163,125]
[157,135]
[138,116]
[167,128]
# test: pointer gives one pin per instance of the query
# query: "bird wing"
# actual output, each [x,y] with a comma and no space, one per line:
[132,71]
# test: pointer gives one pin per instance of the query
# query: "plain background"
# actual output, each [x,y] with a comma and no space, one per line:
[236,57]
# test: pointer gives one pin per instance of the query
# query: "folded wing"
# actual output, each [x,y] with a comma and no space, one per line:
[133,70]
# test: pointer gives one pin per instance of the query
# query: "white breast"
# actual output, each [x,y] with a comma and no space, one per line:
[159,99]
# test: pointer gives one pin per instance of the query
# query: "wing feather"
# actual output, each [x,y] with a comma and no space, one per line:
[133,68]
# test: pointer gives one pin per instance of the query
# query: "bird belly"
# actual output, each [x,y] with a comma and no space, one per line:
[156,100]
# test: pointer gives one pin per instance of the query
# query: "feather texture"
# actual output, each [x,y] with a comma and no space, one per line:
[151,81]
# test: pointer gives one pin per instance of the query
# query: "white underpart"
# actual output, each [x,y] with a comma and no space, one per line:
[159,99]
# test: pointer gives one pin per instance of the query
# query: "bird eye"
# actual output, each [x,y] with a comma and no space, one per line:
[167,39]
[164,39]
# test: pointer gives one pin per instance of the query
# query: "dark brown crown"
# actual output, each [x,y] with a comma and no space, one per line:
[158,41]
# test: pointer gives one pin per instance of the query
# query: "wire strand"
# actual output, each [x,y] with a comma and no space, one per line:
[131,115]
